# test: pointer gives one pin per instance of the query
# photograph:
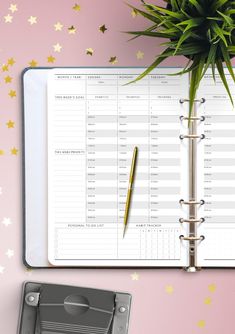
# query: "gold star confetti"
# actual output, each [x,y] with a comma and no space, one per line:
[1,152]
[29,271]
[134,13]
[13,8]
[8,79]
[33,63]
[201,323]
[212,287]
[207,301]
[32,20]
[5,68]
[12,93]
[57,47]
[11,61]
[8,18]
[50,59]
[102,28]
[77,7]
[135,276]
[58,26]
[10,124]
[14,151]
[113,60]
[169,289]
[72,30]
[89,51]
[139,55]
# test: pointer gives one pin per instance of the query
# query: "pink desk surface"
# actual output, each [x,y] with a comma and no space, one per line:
[164,301]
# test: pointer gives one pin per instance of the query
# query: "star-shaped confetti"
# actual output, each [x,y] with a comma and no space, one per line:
[135,276]
[212,287]
[207,301]
[102,28]
[6,221]
[50,59]
[139,55]
[14,151]
[58,26]
[201,323]
[89,51]
[10,124]
[134,13]
[5,68]
[13,8]
[113,60]
[169,289]
[8,18]
[57,47]
[32,20]
[9,253]
[11,61]
[2,269]
[77,7]
[12,93]
[1,152]
[8,79]
[72,30]
[29,271]
[33,63]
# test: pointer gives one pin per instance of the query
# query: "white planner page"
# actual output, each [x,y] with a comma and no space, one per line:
[218,174]
[94,123]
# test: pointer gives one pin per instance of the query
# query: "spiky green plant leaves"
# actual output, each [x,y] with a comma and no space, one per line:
[201,30]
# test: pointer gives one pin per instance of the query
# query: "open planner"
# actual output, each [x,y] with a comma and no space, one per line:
[80,128]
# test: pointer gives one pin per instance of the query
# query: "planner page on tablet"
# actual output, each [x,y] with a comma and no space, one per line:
[218,171]
[94,123]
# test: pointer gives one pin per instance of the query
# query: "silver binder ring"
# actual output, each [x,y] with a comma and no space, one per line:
[201,118]
[192,238]
[201,202]
[202,100]
[202,136]
[191,220]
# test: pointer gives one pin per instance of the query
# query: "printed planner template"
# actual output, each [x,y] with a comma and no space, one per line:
[217,186]
[94,123]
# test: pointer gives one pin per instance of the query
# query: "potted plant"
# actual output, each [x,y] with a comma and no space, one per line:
[201,30]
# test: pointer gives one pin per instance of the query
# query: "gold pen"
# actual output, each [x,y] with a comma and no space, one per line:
[129,191]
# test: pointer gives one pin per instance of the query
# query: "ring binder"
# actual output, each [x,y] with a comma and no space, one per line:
[167,171]
[192,201]
[200,220]
[201,202]
[190,238]
[202,100]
